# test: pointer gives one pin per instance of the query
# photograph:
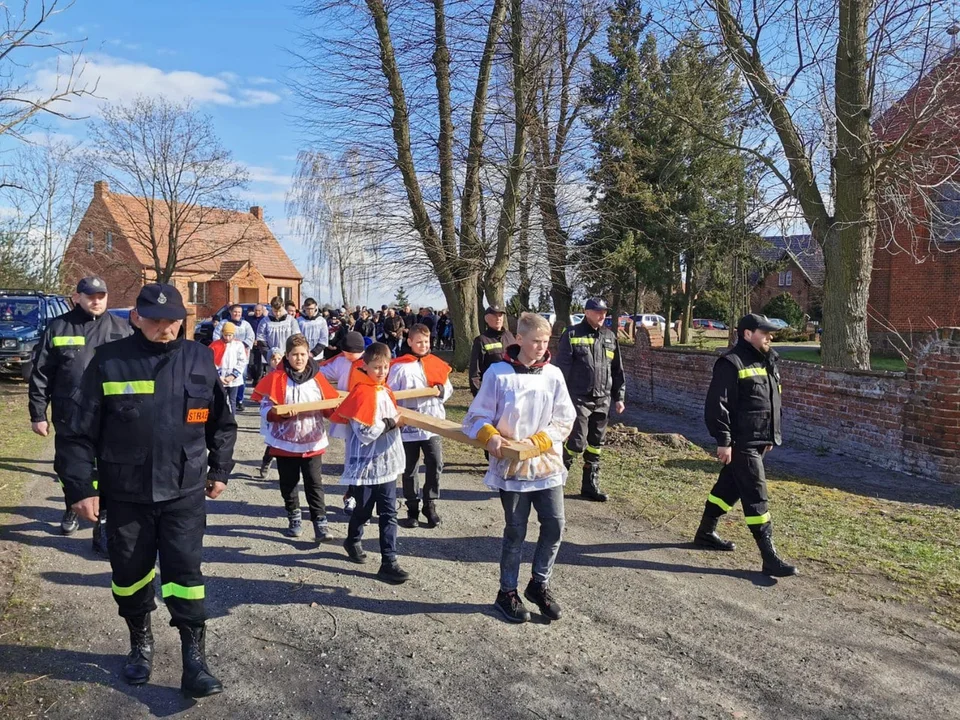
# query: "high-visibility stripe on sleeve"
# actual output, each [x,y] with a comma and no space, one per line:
[493,346]
[128,387]
[68,341]
[752,372]
[719,503]
[181,591]
[131,589]
[592,450]
[757,519]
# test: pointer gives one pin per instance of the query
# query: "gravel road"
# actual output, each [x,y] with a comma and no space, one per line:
[651,629]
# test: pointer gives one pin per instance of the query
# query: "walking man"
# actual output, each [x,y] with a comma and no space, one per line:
[589,358]
[60,358]
[742,413]
[490,346]
[151,407]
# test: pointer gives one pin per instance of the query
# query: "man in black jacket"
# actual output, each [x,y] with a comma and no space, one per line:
[61,356]
[490,346]
[589,357]
[150,407]
[743,414]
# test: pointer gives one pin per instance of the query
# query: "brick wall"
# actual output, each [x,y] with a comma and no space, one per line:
[908,422]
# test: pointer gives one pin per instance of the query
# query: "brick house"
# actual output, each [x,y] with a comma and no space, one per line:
[230,257]
[915,285]
[792,264]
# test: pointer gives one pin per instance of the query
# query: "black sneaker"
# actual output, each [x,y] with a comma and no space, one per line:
[392,573]
[321,530]
[511,607]
[355,552]
[295,528]
[539,594]
[411,520]
[239,407]
[69,523]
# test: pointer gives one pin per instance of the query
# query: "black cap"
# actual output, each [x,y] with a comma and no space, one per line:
[494,310]
[755,322]
[596,304]
[160,302]
[91,285]
[352,342]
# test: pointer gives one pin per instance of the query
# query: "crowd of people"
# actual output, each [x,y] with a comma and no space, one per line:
[146,420]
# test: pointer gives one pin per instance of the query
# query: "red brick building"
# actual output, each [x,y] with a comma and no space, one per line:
[915,286]
[797,269]
[229,257]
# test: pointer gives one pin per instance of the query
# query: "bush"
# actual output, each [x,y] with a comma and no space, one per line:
[783,306]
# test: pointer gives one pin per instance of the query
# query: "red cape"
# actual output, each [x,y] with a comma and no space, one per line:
[435,369]
[219,347]
[361,403]
[274,386]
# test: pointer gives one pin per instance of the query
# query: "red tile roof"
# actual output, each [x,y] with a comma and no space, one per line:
[225,237]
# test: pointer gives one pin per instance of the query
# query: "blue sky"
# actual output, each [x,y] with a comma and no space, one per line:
[229,57]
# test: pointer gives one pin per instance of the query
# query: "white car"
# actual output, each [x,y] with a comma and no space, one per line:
[650,320]
[576,319]
[550,317]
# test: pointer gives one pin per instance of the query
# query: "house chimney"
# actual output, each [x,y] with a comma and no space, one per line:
[101,188]
[257,212]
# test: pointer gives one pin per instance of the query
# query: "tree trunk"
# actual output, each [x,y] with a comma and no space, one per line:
[687,316]
[668,303]
[523,244]
[556,239]
[462,301]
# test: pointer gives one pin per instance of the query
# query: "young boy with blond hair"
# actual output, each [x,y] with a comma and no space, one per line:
[418,368]
[373,459]
[525,399]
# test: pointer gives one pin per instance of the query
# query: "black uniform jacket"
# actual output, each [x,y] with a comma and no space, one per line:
[743,402]
[147,414]
[591,363]
[489,347]
[61,356]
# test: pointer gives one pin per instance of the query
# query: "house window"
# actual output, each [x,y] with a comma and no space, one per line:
[946,213]
[285,293]
[109,241]
[197,293]
[786,278]
[90,241]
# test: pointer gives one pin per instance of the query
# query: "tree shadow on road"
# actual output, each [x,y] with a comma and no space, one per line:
[28,466]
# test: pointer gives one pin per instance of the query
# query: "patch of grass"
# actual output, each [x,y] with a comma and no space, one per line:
[812,355]
[16,441]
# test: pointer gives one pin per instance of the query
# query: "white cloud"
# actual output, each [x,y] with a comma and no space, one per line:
[119,81]
[259,174]
[257,80]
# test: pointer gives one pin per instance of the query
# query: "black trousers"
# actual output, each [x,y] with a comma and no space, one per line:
[589,430]
[383,497]
[137,533]
[432,450]
[290,469]
[744,480]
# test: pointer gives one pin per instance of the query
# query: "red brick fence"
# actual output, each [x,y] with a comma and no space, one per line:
[903,421]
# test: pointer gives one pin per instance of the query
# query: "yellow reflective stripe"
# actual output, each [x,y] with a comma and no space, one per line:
[609,354]
[180,591]
[752,372]
[96,485]
[129,387]
[128,591]
[594,450]
[582,340]
[493,346]
[68,340]
[757,519]
[719,503]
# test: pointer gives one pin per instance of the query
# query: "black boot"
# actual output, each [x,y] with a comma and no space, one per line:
[430,513]
[590,487]
[413,515]
[139,663]
[707,537]
[772,564]
[100,534]
[197,680]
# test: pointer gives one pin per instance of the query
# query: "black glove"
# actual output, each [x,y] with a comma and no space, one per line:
[389,424]
[440,389]
[317,349]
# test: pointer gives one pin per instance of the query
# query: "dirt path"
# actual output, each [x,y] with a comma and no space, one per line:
[652,628]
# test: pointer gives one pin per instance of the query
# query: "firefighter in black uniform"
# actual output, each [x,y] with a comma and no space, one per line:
[490,346]
[589,357]
[151,407]
[59,360]
[742,413]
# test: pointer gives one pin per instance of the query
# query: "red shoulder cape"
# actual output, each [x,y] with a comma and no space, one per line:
[219,347]
[436,370]
[274,386]
[361,403]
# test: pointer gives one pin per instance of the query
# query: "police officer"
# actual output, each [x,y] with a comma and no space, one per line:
[59,360]
[151,407]
[589,357]
[742,413]
[489,346]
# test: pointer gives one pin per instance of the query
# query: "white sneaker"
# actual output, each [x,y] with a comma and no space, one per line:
[349,505]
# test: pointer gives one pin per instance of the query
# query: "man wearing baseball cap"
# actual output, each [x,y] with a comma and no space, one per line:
[154,417]
[59,360]
[589,357]
[489,346]
[742,412]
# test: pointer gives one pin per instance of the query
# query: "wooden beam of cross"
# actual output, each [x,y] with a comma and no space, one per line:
[332,403]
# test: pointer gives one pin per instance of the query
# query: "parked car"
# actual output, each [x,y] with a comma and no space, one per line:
[648,320]
[550,317]
[781,324]
[122,313]
[576,319]
[24,315]
[709,324]
[624,321]
[203,332]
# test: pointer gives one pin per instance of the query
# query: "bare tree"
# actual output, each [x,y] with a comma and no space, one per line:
[183,183]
